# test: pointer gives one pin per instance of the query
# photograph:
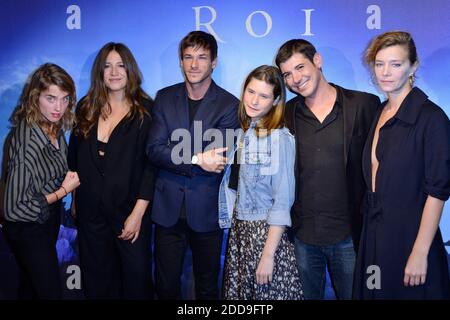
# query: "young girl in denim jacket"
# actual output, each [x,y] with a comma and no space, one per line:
[256,196]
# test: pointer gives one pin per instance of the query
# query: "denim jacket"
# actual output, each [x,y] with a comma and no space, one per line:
[266,185]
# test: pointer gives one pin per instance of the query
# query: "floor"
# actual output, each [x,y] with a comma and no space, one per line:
[68,258]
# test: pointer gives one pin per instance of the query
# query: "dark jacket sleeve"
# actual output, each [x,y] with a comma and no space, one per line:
[147,185]
[73,143]
[159,146]
[373,106]
[228,122]
[437,156]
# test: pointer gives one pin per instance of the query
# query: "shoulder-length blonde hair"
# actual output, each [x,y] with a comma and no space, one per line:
[96,103]
[274,119]
[40,80]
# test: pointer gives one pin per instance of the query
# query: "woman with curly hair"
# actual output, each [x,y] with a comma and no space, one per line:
[38,178]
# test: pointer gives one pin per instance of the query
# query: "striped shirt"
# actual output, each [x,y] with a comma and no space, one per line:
[35,168]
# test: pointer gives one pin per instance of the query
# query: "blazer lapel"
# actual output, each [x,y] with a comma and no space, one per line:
[349,111]
[349,123]
[182,107]
[93,146]
[367,152]
[205,109]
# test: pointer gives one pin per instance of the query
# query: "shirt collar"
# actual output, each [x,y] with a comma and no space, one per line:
[42,140]
[410,108]
[337,107]
[339,97]
[253,124]
[338,102]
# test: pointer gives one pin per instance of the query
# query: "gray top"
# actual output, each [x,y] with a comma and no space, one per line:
[35,168]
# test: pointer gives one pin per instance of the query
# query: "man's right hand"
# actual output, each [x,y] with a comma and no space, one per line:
[212,161]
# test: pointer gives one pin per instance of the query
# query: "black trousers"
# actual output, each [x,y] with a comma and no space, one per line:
[170,248]
[34,247]
[112,268]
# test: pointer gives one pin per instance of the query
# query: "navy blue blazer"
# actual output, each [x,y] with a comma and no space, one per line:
[218,110]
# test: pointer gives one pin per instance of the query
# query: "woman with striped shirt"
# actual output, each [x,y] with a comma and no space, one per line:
[38,178]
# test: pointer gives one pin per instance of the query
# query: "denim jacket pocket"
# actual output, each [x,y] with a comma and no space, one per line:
[253,171]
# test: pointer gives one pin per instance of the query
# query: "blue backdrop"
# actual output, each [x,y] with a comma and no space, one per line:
[70,33]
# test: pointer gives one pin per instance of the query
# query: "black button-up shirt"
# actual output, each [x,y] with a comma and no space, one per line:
[322,206]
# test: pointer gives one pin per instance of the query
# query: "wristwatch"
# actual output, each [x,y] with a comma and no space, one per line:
[194,159]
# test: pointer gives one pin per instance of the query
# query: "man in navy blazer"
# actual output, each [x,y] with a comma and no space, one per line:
[185,207]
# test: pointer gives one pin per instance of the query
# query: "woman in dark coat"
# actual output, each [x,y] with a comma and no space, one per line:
[406,163]
[107,148]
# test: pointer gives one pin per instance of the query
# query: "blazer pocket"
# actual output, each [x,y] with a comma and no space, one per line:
[159,185]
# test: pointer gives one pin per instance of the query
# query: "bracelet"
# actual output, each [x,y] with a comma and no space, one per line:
[64,190]
[57,198]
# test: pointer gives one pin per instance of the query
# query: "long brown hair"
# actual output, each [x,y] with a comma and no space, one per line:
[274,119]
[96,102]
[40,80]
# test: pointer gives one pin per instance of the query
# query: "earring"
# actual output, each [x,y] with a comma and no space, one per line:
[412,78]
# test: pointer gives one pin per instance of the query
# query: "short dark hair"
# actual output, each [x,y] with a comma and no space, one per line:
[199,39]
[289,48]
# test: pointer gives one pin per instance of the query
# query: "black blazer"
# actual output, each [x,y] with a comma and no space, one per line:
[176,182]
[127,175]
[359,110]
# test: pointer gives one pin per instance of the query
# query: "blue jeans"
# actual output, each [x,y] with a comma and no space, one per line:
[312,261]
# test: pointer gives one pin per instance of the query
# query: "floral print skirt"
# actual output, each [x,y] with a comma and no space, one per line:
[245,245]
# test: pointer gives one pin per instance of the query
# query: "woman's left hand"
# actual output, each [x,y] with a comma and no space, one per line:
[132,227]
[264,272]
[416,269]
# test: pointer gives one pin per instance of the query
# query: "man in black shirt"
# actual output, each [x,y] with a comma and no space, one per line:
[330,125]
